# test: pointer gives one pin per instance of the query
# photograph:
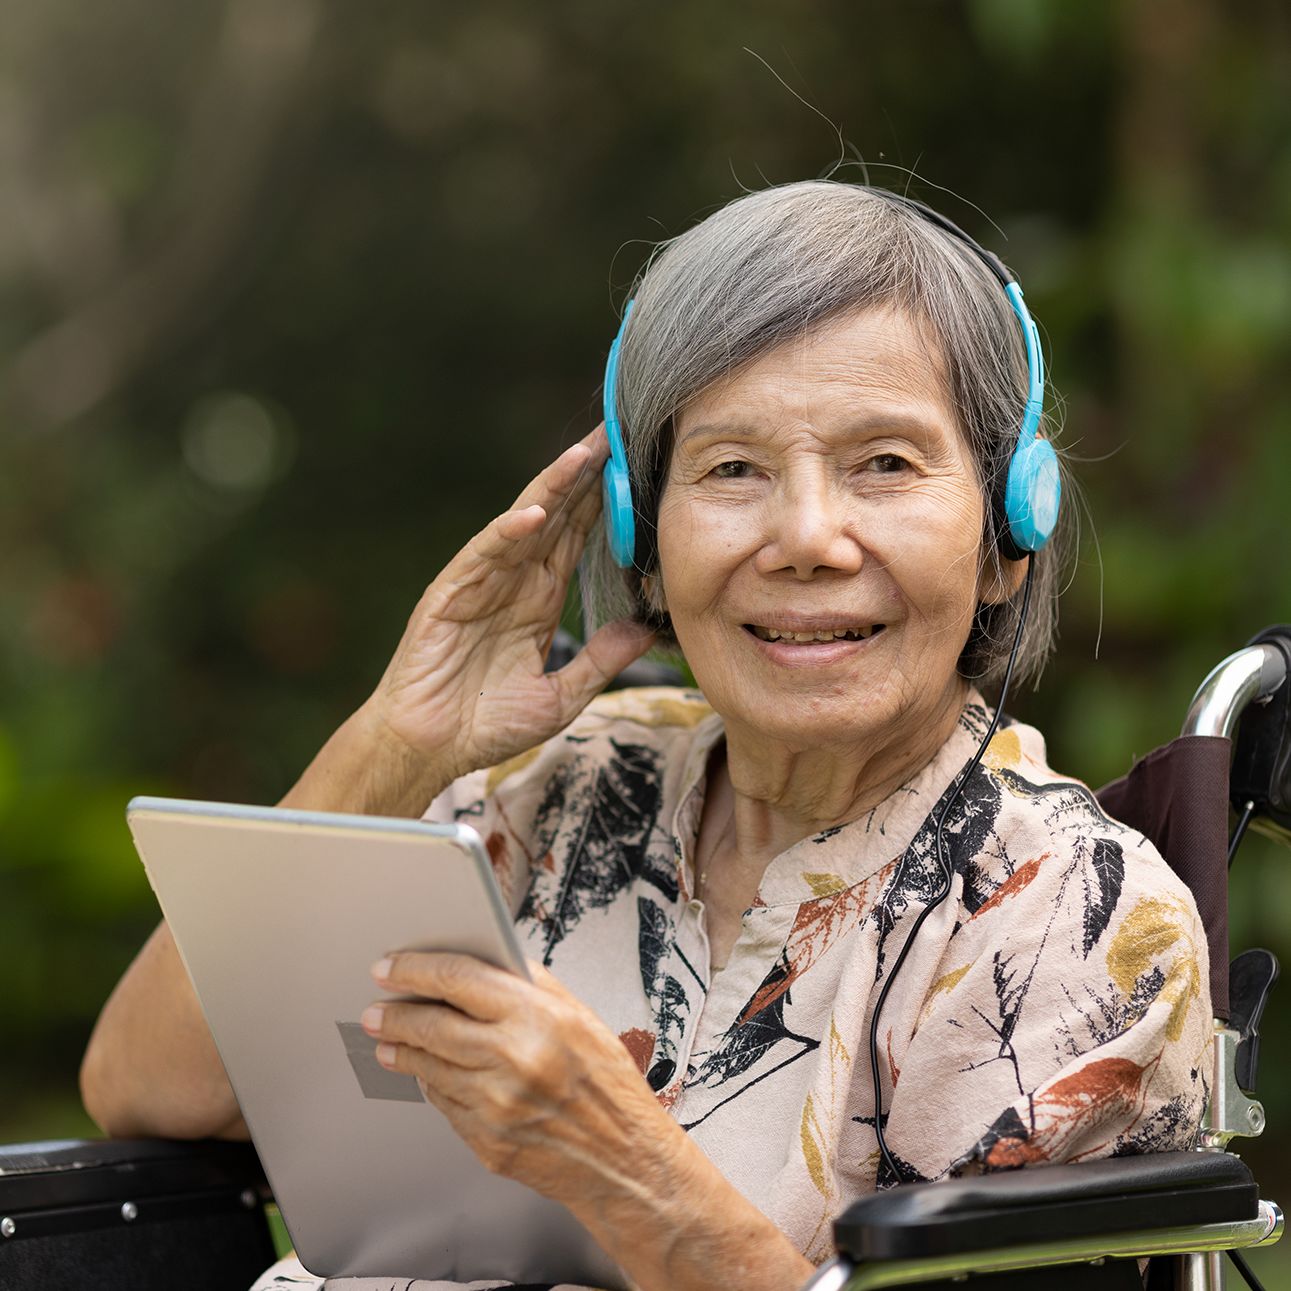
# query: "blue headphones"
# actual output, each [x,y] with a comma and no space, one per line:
[616,487]
[1032,486]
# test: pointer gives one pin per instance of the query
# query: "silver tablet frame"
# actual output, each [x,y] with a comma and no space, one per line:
[371,1179]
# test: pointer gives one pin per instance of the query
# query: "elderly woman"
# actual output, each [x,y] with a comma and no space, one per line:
[820,390]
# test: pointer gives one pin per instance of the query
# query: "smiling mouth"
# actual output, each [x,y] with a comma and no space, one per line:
[815,636]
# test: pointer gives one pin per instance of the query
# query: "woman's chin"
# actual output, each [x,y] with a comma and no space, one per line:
[850,707]
[800,723]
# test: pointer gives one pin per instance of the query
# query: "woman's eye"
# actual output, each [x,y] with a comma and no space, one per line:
[888,463]
[731,470]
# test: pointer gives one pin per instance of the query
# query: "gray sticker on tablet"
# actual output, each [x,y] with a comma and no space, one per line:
[374,1080]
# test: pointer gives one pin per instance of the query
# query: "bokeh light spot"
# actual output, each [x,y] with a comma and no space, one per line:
[234,441]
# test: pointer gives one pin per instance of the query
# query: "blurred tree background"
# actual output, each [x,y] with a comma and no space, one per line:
[295,294]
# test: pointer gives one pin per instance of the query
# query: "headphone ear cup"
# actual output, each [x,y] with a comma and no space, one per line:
[1032,495]
[620,522]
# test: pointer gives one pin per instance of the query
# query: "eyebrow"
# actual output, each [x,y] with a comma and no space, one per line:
[900,420]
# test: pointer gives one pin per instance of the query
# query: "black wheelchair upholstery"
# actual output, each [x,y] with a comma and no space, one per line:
[103,1216]
[1177,796]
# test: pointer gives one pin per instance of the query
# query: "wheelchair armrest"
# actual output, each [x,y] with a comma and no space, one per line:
[86,1172]
[132,1215]
[1049,1203]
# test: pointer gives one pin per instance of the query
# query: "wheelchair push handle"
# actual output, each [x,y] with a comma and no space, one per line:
[1252,675]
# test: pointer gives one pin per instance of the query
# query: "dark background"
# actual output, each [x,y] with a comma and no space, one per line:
[295,294]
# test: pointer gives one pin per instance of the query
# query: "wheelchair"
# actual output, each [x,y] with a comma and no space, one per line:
[109,1215]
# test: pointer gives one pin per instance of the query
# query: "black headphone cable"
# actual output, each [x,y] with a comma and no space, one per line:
[946,876]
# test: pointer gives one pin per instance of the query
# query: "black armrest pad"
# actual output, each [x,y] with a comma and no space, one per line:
[41,1176]
[194,1219]
[1049,1203]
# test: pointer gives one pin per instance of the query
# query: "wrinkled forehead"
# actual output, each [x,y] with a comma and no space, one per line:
[859,365]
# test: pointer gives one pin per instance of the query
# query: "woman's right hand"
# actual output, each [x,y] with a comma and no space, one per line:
[466,687]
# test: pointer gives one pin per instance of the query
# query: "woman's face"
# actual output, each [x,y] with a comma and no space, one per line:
[819,536]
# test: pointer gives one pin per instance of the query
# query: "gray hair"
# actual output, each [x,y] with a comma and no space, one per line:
[773,266]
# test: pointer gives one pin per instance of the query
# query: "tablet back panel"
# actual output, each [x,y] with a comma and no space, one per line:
[278,916]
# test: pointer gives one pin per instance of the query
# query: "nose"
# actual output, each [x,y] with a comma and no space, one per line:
[812,528]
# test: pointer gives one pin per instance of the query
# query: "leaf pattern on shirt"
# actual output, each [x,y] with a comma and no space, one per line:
[760,1024]
[1049,1120]
[615,805]
[819,1133]
[1072,813]
[1107,1091]
[1100,1014]
[759,1028]
[667,996]
[1170,1125]
[1098,865]
[968,835]
[1157,928]
[817,926]
[1103,876]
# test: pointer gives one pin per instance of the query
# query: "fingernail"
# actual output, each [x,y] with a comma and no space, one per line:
[385,1054]
[381,969]
[370,1018]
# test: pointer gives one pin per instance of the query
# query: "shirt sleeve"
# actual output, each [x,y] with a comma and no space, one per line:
[1068,1018]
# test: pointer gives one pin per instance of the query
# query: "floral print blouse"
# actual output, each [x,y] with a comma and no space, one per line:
[1054,1006]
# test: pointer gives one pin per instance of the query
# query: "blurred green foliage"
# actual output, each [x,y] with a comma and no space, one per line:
[294,296]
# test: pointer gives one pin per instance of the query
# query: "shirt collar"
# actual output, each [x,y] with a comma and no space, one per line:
[837,858]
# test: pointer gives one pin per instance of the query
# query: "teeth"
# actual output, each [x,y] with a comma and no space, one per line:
[822,634]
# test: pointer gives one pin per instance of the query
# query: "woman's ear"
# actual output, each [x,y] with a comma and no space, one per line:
[1000,580]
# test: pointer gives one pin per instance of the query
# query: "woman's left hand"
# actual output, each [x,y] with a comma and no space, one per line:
[545,1094]
[529,1077]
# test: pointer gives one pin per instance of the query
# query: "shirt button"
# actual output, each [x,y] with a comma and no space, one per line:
[660,1074]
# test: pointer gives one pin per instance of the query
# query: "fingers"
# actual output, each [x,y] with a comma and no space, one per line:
[435,1029]
[574,474]
[559,506]
[500,540]
[514,525]
[570,489]
[573,514]
[477,989]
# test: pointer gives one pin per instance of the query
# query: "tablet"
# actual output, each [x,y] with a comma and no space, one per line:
[278,916]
